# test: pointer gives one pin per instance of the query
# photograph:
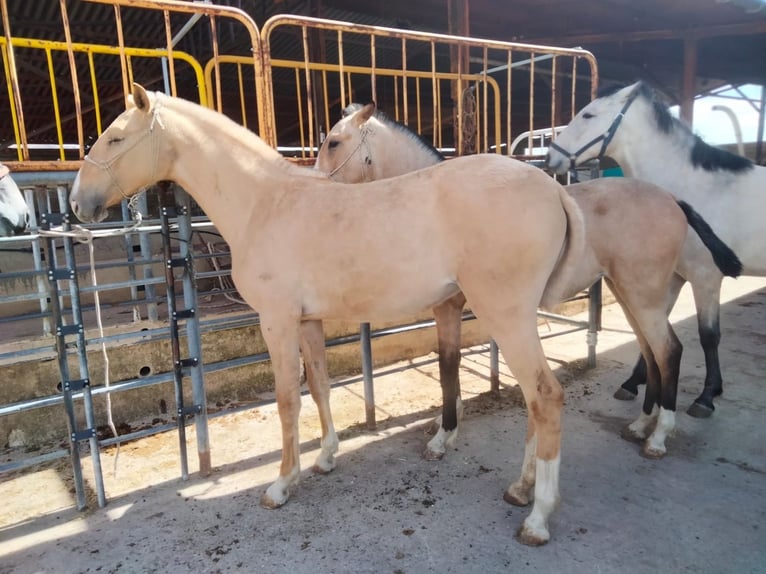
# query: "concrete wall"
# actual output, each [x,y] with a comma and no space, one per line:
[131,409]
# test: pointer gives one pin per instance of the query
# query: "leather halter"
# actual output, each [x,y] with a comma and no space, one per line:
[605,138]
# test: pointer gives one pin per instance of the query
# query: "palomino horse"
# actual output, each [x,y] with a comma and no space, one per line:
[634,236]
[305,248]
[634,128]
[14,213]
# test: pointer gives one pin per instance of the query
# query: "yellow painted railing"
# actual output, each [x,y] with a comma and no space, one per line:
[464,94]
[47,48]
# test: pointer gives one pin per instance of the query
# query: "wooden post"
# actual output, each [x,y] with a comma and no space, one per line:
[458,21]
[689,87]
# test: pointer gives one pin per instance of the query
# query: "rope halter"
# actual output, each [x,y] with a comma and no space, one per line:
[365,131]
[106,165]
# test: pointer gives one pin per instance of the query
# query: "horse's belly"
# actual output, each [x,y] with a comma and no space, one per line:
[378,301]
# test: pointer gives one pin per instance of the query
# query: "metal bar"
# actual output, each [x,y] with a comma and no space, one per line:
[214,35]
[494,366]
[340,71]
[166,203]
[193,339]
[128,241]
[9,60]
[150,293]
[369,388]
[309,97]
[75,82]
[405,95]
[594,320]
[509,91]
[63,364]
[82,357]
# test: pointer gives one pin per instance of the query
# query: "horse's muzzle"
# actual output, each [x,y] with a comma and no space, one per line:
[558,164]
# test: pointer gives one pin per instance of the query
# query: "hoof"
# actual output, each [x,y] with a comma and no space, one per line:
[652,453]
[516,499]
[700,411]
[631,436]
[429,454]
[623,394]
[316,469]
[270,503]
[532,537]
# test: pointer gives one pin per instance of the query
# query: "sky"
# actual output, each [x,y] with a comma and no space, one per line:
[715,127]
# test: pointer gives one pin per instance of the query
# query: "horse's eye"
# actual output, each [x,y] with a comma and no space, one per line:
[115,140]
[332,144]
[587,115]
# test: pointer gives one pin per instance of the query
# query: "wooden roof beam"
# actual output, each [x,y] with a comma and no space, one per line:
[744,29]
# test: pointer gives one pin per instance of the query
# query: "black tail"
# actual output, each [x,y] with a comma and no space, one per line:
[725,259]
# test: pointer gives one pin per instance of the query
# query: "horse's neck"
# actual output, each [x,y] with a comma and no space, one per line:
[231,173]
[645,152]
[395,152]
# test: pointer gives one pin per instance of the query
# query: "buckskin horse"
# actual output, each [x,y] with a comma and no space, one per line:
[305,248]
[635,233]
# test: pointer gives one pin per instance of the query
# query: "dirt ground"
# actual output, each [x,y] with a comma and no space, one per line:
[386,510]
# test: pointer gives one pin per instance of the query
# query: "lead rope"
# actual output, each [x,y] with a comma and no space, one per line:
[86,236]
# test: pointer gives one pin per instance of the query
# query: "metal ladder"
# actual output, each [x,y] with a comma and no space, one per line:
[176,204]
[70,334]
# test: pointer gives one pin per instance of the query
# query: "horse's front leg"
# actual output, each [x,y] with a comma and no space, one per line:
[448,316]
[707,297]
[281,334]
[313,348]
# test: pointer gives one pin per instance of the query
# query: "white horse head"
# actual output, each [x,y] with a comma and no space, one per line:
[132,139]
[14,213]
[345,150]
[591,133]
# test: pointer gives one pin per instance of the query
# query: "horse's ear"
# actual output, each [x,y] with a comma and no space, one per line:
[141,98]
[365,113]
[4,170]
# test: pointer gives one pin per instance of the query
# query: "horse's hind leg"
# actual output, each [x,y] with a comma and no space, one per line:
[662,386]
[629,389]
[661,350]
[519,492]
[313,347]
[707,296]
[667,353]
[639,430]
[448,317]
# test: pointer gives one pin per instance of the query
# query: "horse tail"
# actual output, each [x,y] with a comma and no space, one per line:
[725,259]
[560,281]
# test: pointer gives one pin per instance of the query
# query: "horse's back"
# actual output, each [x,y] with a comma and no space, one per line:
[504,219]
[632,226]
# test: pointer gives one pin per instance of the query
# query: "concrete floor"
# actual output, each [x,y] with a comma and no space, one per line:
[385,510]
